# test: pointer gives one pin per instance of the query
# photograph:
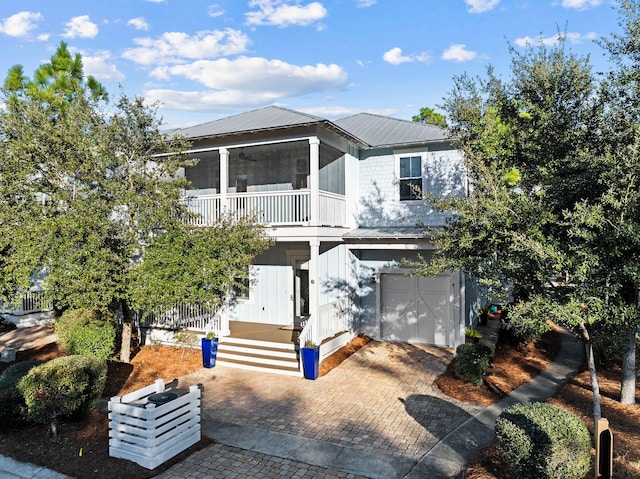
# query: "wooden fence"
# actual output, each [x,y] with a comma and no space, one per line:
[149,435]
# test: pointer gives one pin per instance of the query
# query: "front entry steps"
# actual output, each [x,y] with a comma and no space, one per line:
[256,355]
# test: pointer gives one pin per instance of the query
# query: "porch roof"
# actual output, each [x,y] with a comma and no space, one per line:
[402,232]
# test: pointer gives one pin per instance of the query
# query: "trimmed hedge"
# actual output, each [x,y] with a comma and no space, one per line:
[67,386]
[87,332]
[473,361]
[543,441]
[12,405]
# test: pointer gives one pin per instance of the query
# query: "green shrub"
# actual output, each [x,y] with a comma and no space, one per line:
[473,361]
[67,386]
[87,332]
[541,441]
[528,321]
[12,404]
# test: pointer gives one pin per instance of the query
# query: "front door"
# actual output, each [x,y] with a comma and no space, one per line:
[298,285]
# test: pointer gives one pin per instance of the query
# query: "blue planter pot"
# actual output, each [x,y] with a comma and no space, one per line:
[209,352]
[310,362]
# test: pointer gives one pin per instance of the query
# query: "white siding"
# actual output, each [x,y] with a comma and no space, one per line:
[379,205]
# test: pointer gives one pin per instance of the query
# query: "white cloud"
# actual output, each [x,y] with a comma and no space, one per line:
[365,3]
[80,27]
[175,47]
[481,6]
[282,13]
[395,57]
[244,82]
[572,37]
[458,53]
[43,37]
[256,74]
[139,23]
[214,10]
[99,66]
[580,4]
[156,1]
[20,24]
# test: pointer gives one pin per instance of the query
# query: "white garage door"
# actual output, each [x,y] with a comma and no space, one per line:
[416,309]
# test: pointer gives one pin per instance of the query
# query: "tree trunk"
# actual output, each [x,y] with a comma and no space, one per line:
[628,389]
[125,344]
[54,427]
[595,388]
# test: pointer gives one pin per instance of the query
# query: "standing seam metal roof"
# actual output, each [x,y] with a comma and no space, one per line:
[368,129]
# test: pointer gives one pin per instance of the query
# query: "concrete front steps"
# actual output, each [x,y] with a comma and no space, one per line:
[255,355]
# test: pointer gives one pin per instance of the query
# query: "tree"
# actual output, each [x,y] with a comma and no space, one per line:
[548,200]
[621,216]
[429,116]
[88,196]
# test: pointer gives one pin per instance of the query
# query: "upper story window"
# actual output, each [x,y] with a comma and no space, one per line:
[410,177]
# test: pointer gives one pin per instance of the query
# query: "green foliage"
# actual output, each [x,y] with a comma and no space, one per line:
[429,116]
[196,265]
[529,320]
[12,403]
[473,361]
[539,440]
[472,333]
[86,332]
[66,386]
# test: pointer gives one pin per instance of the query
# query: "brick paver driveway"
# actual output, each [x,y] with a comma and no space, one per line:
[382,398]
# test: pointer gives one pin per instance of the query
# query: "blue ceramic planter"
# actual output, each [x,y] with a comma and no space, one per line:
[209,352]
[310,362]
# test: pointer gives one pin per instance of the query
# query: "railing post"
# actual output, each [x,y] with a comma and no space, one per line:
[224,179]
[314,180]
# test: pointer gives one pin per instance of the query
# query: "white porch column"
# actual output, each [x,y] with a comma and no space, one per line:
[314,253]
[224,179]
[314,180]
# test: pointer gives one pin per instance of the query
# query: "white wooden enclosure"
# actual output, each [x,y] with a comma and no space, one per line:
[149,435]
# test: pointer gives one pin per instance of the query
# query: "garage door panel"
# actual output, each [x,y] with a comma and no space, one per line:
[416,309]
[398,282]
[400,315]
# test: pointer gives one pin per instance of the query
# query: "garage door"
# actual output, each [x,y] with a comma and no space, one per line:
[416,309]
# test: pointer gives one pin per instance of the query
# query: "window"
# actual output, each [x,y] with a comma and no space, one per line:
[241,288]
[410,177]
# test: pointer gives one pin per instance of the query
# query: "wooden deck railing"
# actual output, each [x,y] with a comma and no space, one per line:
[331,319]
[30,302]
[280,208]
[183,316]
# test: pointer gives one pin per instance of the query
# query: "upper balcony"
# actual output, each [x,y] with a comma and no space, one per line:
[287,183]
[276,208]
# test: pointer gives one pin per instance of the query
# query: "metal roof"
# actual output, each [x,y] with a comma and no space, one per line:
[267,118]
[366,129]
[378,131]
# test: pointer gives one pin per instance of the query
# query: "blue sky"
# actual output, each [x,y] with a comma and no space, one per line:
[204,60]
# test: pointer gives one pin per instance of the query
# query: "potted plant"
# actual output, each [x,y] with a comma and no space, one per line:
[483,314]
[472,335]
[209,350]
[310,360]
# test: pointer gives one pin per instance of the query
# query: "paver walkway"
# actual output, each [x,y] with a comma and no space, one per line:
[378,416]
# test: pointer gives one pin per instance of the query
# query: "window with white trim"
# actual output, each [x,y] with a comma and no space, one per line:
[410,176]
[242,288]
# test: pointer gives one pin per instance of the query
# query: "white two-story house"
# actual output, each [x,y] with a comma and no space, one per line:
[341,201]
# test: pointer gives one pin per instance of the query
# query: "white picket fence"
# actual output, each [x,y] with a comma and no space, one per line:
[149,435]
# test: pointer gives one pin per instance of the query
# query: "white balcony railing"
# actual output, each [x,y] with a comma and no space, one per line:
[281,208]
